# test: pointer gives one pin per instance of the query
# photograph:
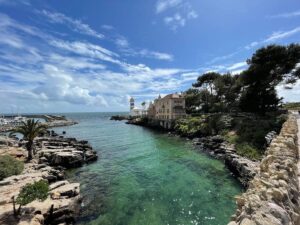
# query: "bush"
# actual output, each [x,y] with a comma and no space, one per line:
[30,192]
[192,126]
[249,151]
[10,166]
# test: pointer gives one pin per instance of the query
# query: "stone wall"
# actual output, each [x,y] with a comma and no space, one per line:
[273,195]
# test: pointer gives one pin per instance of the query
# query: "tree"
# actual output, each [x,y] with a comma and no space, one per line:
[207,80]
[227,90]
[206,83]
[268,67]
[30,130]
[143,105]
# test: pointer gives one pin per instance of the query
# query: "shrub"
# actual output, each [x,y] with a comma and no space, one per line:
[10,166]
[249,151]
[192,126]
[30,192]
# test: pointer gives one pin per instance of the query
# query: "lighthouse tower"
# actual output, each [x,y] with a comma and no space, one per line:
[131,104]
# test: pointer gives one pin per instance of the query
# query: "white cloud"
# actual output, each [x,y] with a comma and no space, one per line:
[87,50]
[75,24]
[181,12]
[107,27]
[274,37]
[290,95]
[52,72]
[175,21]
[237,65]
[156,55]
[286,15]
[163,5]
[122,42]
[124,46]
[281,35]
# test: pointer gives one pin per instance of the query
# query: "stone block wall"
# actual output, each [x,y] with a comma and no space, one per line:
[273,195]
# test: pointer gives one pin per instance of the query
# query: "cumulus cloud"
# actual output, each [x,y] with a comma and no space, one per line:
[49,71]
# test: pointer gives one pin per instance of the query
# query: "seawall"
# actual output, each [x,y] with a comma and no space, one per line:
[273,195]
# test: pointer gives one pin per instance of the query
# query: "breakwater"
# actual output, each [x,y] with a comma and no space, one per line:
[273,194]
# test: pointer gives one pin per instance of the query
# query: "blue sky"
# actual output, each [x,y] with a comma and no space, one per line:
[64,56]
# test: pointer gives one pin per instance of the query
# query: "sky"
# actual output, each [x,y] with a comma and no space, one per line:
[91,56]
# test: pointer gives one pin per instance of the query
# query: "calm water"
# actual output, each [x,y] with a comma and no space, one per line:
[147,178]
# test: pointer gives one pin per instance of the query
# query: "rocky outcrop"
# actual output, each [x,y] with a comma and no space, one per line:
[119,117]
[53,154]
[61,204]
[242,168]
[273,194]
[66,152]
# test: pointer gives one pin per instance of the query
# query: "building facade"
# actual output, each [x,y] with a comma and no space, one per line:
[170,107]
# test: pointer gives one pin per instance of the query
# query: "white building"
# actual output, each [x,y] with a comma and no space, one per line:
[135,111]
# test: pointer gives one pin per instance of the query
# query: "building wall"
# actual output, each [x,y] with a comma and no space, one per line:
[167,108]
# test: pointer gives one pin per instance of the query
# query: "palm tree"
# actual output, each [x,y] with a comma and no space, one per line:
[143,105]
[30,130]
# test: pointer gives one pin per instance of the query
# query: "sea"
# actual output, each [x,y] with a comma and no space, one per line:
[146,177]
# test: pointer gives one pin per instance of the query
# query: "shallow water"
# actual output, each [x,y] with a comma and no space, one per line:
[144,177]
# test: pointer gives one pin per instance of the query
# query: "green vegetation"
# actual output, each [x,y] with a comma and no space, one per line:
[192,126]
[30,192]
[30,130]
[246,131]
[249,100]
[38,190]
[254,90]
[10,166]
[202,125]
[292,106]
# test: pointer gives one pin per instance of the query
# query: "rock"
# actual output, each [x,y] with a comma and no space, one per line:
[68,190]
[58,184]
[247,221]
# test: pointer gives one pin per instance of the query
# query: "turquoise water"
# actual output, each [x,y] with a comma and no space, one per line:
[144,177]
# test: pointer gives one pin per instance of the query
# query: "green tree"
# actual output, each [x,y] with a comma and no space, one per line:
[268,67]
[207,81]
[227,90]
[143,105]
[30,130]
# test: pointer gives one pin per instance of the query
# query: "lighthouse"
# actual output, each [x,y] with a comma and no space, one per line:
[131,103]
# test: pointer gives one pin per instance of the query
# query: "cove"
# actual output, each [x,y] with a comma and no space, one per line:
[144,177]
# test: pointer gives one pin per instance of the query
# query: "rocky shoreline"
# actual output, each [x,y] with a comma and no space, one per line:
[54,154]
[242,168]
